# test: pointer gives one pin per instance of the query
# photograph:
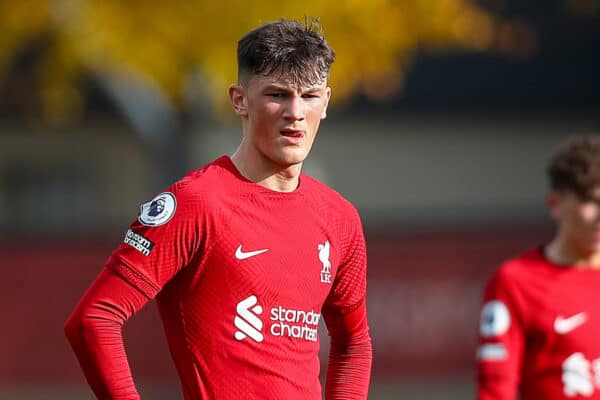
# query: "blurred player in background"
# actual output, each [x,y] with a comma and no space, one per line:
[246,254]
[539,334]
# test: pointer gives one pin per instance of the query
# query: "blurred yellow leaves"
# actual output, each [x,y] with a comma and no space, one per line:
[169,43]
[20,22]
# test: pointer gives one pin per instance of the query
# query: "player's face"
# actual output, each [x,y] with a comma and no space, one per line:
[280,119]
[579,220]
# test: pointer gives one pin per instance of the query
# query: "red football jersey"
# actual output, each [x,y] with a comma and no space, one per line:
[241,274]
[539,332]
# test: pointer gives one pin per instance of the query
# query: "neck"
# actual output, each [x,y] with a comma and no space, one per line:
[561,252]
[266,173]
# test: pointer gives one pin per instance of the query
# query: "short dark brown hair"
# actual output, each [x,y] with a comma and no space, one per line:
[291,48]
[575,166]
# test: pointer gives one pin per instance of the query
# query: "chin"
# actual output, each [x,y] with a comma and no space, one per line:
[287,159]
[289,163]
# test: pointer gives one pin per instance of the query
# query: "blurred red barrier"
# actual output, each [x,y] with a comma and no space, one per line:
[424,293]
[42,280]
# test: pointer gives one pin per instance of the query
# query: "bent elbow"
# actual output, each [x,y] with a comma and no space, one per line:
[80,325]
[74,327]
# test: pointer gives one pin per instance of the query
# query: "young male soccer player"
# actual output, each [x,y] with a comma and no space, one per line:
[246,254]
[539,332]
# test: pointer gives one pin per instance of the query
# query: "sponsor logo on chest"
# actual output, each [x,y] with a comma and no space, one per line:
[284,322]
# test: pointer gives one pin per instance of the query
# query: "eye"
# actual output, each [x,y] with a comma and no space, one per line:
[276,95]
[312,94]
[589,199]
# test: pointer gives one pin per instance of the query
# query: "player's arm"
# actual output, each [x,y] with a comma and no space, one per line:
[94,332]
[155,248]
[350,356]
[345,314]
[501,341]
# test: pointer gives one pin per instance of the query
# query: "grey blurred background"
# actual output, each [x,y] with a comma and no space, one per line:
[448,111]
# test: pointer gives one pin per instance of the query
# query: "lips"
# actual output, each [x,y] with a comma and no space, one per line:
[292,133]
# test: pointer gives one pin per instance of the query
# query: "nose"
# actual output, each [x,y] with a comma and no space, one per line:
[294,110]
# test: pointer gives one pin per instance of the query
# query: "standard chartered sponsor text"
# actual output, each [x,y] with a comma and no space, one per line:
[298,324]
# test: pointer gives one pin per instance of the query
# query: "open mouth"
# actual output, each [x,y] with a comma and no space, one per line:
[292,133]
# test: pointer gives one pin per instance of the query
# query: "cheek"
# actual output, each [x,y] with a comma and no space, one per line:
[266,112]
[315,115]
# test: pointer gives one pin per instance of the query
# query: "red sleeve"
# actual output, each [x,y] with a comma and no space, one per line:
[94,331]
[345,314]
[501,341]
[350,283]
[349,368]
[163,239]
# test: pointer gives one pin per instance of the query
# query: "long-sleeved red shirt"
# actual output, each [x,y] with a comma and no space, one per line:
[538,336]
[242,276]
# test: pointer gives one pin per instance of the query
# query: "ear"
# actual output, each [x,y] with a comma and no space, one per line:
[553,200]
[237,97]
[327,97]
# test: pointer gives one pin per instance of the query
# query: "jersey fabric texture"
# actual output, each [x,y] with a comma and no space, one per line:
[539,332]
[242,275]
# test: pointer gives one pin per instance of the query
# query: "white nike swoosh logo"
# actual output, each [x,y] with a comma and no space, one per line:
[242,255]
[564,325]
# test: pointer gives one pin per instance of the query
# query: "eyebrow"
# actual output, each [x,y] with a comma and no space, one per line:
[313,89]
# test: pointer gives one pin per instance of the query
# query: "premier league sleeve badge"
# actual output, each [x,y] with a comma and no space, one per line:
[159,210]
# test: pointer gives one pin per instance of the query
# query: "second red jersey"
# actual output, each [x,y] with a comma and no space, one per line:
[241,275]
[540,332]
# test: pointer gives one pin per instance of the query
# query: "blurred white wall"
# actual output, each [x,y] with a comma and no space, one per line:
[406,169]
[431,168]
